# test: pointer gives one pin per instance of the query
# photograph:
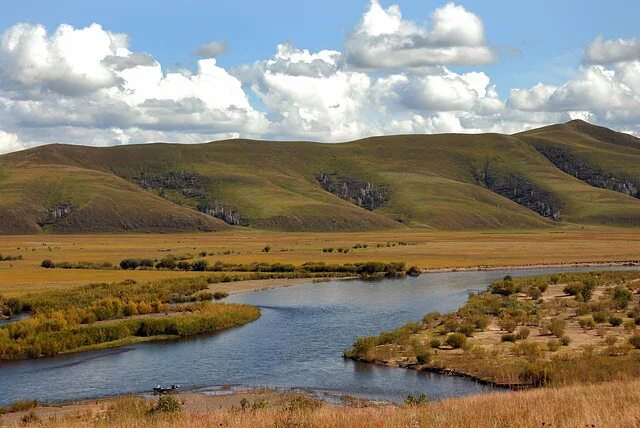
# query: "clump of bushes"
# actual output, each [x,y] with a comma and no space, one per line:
[219,295]
[537,374]
[456,340]
[167,404]
[416,400]
[10,258]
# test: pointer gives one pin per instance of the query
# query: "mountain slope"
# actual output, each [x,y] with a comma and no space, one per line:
[448,182]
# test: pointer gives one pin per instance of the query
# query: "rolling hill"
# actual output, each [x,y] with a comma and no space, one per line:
[573,173]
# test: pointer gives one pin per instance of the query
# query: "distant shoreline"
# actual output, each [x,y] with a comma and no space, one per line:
[615,263]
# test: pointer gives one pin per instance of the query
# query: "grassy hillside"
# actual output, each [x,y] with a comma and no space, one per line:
[444,182]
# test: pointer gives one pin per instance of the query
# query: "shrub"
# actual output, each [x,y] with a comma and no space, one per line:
[587,323]
[168,262]
[416,400]
[219,295]
[47,264]
[167,404]
[505,287]
[423,354]
[413,271]
[555,326]
[635,340]
[304,403]
[629,325]
[600,317]
[523,333]
[610,340]
[266,249]
[537,374]
[553,345]
[199,265]
[435,343]
[509,337]
[467,329]
[30,418]
[431,317]
[129,264]
[573,288]
[621,296]
[565,340]
[456,340]
[507,324]
[615,321]
[529,350]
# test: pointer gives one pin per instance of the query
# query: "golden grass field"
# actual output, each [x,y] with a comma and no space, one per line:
[614,404]
[425,249]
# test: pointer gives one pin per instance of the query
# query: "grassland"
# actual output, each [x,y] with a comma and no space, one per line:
[532,331]
[425,249]
[603,405]
[437,182]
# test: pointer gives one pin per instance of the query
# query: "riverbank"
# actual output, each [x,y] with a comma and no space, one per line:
[603,405]
[531,331]
[592,264]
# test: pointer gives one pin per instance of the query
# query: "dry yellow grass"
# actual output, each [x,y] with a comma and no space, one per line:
[614,404]
[425,249]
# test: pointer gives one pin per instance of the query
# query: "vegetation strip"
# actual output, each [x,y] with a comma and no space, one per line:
[531,331]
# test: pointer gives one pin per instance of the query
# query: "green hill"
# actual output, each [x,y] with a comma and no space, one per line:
[571,173]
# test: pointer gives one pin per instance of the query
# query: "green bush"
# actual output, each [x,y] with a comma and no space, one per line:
[621,296]
[416,400]
[456,340]
[167,404]
[47,264]
[219,295]
[435,343]
[615,321]
[508,337]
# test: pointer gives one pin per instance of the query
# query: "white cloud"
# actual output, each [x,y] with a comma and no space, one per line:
[211,49]
[601,51]
[384,40]
[88,78]
[9,142]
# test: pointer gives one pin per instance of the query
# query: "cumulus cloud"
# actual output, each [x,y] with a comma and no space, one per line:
[384,40]
[211,49]
[601,51]
[9,142]
[88,79]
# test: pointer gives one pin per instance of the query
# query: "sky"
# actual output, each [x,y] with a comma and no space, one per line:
[123,72]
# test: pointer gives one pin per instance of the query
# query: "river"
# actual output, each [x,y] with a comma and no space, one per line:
[296,344]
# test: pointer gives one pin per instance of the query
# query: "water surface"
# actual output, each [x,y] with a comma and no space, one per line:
[297,343]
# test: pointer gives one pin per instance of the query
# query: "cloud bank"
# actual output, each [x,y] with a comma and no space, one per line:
[87,86]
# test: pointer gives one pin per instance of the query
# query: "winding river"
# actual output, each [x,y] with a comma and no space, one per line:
[296,344]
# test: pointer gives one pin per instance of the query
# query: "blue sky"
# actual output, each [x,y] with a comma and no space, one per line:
[532,42]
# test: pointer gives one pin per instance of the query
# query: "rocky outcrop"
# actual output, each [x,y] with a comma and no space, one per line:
[571,164]
[521,191]
[188,183]
[218,210]
[52,215]
[192,186]
[357,191]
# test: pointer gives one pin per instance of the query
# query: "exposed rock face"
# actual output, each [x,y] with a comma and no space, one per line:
[218,210]
[52,215]
[190,185]
[522,192]
[357,191]
[569,163]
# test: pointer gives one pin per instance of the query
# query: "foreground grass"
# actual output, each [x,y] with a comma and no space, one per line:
[425,249]
[531,331]
[604,405]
